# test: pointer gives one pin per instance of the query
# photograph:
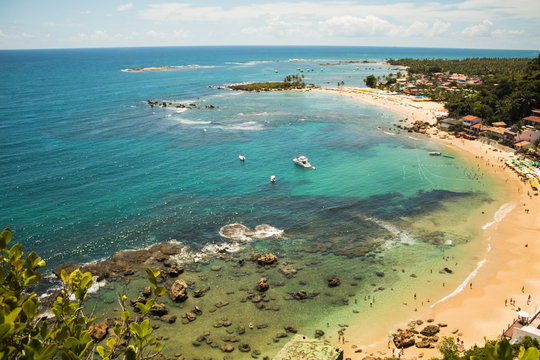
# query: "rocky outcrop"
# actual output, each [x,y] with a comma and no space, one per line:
[178,291]
[333,282]
[125,263]
[267,259]
[430,330]
[404,339]
[262,284]
[98,331]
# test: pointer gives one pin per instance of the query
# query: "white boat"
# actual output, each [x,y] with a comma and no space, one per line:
[435,153]
[302,161]
[273,178]
[242,157]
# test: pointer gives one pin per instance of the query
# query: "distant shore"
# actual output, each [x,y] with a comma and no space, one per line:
[511,243]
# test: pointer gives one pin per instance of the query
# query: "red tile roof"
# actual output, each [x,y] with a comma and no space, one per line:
[522,143]
[477,126]
[470,117]
[532,118]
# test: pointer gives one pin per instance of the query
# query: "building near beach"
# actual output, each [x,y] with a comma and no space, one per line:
[470,120]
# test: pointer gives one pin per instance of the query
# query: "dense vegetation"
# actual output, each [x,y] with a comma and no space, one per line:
[469,66]
[507,98]
[67,334]
[290,82]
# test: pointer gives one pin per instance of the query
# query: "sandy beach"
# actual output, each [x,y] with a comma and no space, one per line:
[507,267]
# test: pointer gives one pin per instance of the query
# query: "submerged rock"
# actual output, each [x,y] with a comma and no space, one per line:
[98,331]
[267,259]
[333,282]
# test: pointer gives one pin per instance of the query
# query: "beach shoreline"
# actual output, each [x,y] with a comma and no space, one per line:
[506,268]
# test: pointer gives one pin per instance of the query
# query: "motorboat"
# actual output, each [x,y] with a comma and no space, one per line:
[302,161]
[273,178]
[242,157]
[435,153]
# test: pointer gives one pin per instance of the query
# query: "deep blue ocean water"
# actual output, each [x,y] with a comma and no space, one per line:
[88,168]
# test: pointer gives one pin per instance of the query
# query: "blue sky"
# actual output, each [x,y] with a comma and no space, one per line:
[490,24]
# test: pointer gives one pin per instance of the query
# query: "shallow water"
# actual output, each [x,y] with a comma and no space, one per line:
[90,168]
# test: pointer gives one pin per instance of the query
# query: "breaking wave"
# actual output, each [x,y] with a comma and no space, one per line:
[504,210]
[239,232]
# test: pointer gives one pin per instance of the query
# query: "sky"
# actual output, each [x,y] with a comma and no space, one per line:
[482,24]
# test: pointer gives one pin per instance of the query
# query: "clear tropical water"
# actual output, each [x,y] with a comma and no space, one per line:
[89,169]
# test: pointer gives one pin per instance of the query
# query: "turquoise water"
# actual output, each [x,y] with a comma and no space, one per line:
[89,168]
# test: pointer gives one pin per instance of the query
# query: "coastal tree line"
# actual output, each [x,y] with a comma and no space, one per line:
[509,90]
[469,66]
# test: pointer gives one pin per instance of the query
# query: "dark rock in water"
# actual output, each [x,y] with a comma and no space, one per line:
[414,276]
[319,333]
[241,329]
[314,293]
[404,339]
[174,270]
[244,348]
[281,335]
[301,295]
[178,291]
[147,291]
[290,328]
[419,322]
[256,299]
[190,316]
[379,273]
[215,268]
[197,310]
[227,347]
[288,271]
[221,304]
[333,282]
[267,259]
[443,324]
[168,318]
[140,299]
[98,331]
[69,268]
[262,284]
[198,293]
[430,330]
[159,310]
[447,270]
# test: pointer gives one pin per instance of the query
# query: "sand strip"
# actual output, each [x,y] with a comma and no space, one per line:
[509,266]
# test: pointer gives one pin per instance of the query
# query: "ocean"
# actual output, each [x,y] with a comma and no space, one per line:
[90,169]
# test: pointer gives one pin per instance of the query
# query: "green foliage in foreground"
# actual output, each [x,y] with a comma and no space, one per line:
[493,350]
[25,335]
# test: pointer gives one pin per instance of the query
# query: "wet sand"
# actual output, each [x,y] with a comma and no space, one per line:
[507,267]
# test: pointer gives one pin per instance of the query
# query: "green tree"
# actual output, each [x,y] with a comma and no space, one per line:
[371,81]
[25,336]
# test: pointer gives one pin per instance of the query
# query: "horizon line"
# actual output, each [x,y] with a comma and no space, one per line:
[223,46]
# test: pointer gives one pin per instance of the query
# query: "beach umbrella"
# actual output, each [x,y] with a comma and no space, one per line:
[523,314]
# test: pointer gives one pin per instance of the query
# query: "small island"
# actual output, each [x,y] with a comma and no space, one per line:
[290,82]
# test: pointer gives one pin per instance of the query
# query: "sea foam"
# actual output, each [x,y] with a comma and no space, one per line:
[463,284]
[239,232]
[504,210]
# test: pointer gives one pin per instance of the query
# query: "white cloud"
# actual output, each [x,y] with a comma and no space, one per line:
[27,36]
[356,26]
[375,26]
[85,12]
[505,33]
[108,15]
[124,7]
[482,29]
